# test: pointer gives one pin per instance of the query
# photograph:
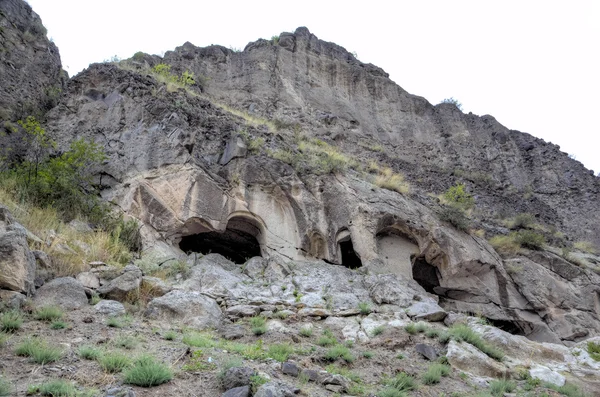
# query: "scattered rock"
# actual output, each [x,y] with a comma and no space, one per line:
[154,286]
[120,392]
[121,287]
[314,312]
[192,308]
[232,331]
[110,308]
[545,374]
[242,311]
[426,311]
[237,377]
[468,358]
[42,259]
[310,374]
[290,368]
[242,391]
[275,389]
[65,292]
[17,263]
[427,351]
[89,280]
[12,299]
[336,379]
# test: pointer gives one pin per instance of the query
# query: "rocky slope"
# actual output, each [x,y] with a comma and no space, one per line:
[271,158]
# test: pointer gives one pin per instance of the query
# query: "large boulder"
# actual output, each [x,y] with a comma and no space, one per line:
[17,262]
[123,286]
[190,307]
[66,292]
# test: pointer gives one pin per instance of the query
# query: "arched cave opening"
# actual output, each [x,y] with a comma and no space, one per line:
[238,242]
[425,274]
[505,325]
[350,258]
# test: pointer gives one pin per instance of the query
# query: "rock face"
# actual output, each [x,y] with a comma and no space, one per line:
[31,72]
[17,262]
[204,178]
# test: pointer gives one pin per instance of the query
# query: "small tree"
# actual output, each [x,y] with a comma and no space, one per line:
[458,196]
[453,101]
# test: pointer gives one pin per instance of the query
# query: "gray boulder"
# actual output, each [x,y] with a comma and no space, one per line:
[275,389]
[237,377]
[429,311]
[242,391]
[110,308]
[17,263]
[65,292]
[190,307]
[123,286]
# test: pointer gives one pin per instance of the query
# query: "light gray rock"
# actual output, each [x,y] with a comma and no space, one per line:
[17,263]
[290,368]
[275,389]
[242,391]
[426,311]
[154,286]
[468,358]
[255,267]
[242,311]
[110,308]
[89,280]
[65,292]
[121,287]
[42,259]
[545,374]
[191,307]
[120,392]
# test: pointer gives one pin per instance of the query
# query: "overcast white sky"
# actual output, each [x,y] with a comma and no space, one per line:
[534,65]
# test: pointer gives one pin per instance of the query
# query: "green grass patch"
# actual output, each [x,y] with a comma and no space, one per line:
[434,373]
[58,324]
[126,342]
[462,333]
[89,352]
[114,362]
[258,325]
[257,381]
[345,372]
[594,350]
[198,339]
[6,388]
[306,332]
[567,389]
[197,363]
[57,388]
[378,330]
[500,386]
[339,352]
[280,352]
[48,313]
[39,351]
[147,372]
[119,321]
[364,308]
[170,335]
[11,321]
[432,333]
[3,338]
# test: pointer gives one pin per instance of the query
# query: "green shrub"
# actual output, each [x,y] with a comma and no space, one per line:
[114,362]
[500,386]
[327,340]
[170,335]
[402,382]
[257,381]
[364,308]
[57,388]
[432,333]
[280,352]
[585,246]
[58,324]
[411,328]
[3,338]
[390,180]
[456,216]
[505,244]
[258,324]
[11,321]
[522,221]
[147,372]
[126,342]
[339,352]
[378,330]
[530,239]
[89,352]
[6,387]
[119,321]
[391,392]
[567,389]
[594,350]
[434,373]
[306,332]
[197,363]
[39,351]
[453,101]
[49,313]
[458,196]
[368,354]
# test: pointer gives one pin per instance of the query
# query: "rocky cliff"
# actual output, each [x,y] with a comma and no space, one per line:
[278,151]
[30,68]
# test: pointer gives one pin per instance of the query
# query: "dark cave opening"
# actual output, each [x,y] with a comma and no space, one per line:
[238,242]
[506,325]
[349,257]
[425,274]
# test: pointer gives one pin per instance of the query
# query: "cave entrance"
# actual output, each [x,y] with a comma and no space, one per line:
[238,242]
[425,274]
[350,258]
